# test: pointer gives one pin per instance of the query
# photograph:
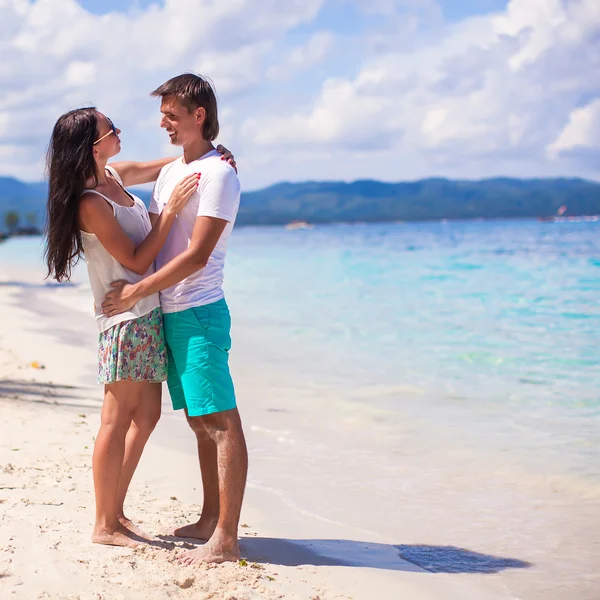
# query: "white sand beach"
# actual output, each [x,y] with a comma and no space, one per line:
[326,515]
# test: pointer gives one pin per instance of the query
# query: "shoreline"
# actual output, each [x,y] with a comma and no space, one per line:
[332,483]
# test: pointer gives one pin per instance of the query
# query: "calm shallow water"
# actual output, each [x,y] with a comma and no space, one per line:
[488,325]
[493,324]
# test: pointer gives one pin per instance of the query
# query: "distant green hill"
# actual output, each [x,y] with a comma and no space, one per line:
[26,198]
[372,201]
[23,198]
[427,199]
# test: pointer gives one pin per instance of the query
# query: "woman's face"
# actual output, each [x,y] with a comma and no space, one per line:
[107,142]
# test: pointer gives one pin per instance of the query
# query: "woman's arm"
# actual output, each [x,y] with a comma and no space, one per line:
[205,236]
[96,216]
[135,173]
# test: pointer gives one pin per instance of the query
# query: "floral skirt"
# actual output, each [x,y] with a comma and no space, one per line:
[133,350]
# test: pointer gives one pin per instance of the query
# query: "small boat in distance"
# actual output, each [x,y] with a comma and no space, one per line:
[562,218]
[298,225]
[573,219]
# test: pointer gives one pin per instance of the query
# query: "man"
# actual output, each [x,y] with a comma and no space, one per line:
[189,277]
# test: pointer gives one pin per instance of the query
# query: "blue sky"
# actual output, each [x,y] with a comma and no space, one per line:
[457,10]
[102,7]
[320,89]
[335,15]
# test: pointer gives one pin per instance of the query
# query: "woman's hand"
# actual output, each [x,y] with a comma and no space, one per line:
[226,155]
[182,192]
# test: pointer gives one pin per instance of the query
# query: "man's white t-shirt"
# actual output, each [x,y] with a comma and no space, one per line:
[218,195]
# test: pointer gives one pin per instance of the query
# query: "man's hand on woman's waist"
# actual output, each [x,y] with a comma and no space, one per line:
[121,298]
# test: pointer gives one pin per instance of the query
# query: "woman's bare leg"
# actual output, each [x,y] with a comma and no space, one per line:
[121,400]
[142,425]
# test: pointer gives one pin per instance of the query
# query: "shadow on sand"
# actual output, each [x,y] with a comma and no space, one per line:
[350,553]
[46,393]
[38,285]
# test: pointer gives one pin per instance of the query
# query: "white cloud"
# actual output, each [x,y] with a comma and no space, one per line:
[57,56]
[303,57]
[514,92]
[582,130]
[489,94]
[80,73]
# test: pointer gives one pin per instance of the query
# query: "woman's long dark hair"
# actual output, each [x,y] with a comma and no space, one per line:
[70,163]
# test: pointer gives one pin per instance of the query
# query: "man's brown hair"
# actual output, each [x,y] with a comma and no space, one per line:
[193,91]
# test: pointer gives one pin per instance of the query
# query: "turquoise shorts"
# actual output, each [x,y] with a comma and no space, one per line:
[198,343]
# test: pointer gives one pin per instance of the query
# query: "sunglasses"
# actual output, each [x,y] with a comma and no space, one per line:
[113,129]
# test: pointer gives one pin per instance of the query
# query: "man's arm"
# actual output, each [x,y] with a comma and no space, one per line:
[206,234]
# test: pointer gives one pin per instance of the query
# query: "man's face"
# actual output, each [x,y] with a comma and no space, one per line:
[182,126]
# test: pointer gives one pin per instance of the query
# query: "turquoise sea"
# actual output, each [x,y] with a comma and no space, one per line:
[488,326]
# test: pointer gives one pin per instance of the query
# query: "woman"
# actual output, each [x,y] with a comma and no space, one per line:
[90,213]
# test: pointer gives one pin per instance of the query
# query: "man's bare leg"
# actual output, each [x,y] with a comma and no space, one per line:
[142,425]
[225,429]
[120,402]
[207,455]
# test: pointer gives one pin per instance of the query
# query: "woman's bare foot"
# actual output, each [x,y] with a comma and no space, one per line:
[120,537]
[218,549]
[134,528]
[202,530]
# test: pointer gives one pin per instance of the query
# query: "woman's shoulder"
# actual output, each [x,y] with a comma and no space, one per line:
[114,173]
[93,205]
[93,209]
[94,198]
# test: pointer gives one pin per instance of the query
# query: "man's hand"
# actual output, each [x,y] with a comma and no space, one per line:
[121,298]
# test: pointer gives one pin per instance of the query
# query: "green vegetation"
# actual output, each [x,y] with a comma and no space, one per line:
[372,201]
[31,218]
[428,199]
[11,220]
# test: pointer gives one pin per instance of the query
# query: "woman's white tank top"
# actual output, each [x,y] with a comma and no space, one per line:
[103,268]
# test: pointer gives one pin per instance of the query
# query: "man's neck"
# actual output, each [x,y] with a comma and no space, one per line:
[196,149]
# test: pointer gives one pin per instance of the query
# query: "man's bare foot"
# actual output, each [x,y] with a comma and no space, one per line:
[218,549]
[120,537]
[202,530]
[134,528]
[208,554]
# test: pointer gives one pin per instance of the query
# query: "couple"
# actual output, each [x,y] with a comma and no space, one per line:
[192,212]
